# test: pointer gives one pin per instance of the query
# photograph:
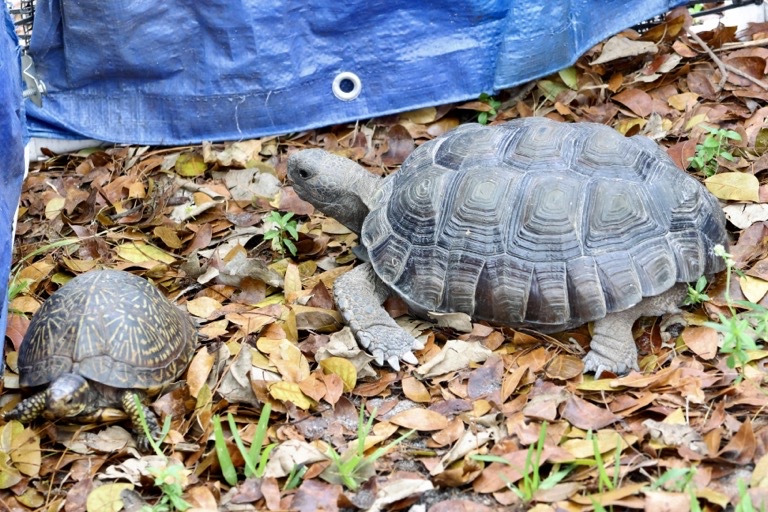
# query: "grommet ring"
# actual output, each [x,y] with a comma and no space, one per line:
[347,86]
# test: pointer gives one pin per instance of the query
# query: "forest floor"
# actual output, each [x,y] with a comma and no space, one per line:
[501,419]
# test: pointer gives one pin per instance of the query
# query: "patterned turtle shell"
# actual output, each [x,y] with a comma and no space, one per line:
[111,327]
[540,223]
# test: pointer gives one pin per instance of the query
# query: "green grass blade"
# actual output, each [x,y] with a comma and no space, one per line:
[222,453]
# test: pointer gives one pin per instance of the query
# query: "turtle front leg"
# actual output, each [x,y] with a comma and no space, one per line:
[28,409]
[612,347]
[129,406]
[359,294]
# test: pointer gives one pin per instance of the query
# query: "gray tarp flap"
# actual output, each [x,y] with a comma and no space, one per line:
[12,138]
[183,71]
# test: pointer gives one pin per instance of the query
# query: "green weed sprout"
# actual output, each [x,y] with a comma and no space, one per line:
[531,480]
[169,478]
[281,231]
[716,144]
[484,117]
[353,467]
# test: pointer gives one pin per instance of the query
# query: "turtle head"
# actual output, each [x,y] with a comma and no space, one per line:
[67,396]
[336,186]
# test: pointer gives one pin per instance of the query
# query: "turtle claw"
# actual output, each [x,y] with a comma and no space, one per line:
[394,362]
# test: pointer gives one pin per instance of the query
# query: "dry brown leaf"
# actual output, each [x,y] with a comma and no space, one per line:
[587,416]
[420,419]
[415,390]
[703,341]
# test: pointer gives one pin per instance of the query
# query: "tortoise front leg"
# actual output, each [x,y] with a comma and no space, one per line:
[129,406]
[359,294]
[28,409]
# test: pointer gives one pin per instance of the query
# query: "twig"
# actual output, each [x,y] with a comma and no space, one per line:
[715,58]
[743,44]
[724,67]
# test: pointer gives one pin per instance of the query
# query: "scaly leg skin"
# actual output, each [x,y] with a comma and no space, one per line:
[129,406]
[29,409]
[612,347]
[359,294]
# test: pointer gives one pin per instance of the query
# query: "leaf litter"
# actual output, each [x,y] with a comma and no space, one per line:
[192,221]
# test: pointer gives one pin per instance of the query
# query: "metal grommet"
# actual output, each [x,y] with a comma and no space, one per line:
[347,86]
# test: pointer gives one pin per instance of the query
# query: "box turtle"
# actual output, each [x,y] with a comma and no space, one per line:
[98,340]
[529,223]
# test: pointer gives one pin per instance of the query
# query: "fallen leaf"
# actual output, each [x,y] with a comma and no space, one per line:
[744,215]
[455,355]
[753,288]
[734,186]
[343,368]
[290,392]
[290,454]
[461,322]
[703,341]
[420,419]
[106,498]
[587,416]
[203,307]
[619,47]
[142,252]
[190,165]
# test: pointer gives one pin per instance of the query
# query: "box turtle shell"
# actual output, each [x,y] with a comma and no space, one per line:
[528,223]
[98,340]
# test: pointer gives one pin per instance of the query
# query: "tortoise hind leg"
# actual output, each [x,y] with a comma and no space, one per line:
[359,294]
[612,347]
[29,409]
[129,406]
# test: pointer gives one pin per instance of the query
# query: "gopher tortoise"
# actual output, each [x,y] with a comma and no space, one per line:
[98,340]
[529,223]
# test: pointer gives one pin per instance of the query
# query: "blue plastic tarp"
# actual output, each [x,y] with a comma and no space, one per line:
[183,71]
[12,139]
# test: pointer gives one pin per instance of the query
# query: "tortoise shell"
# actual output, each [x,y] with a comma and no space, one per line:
[111,327]
[540,223]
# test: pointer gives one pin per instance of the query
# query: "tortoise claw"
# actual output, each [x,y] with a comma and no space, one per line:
[394,362]
[409,358]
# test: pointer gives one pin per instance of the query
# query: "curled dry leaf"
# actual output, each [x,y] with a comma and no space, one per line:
[455,355]
[703,341]
[458,321]
[673,434]
[290,454]
[396,489]
[619,47]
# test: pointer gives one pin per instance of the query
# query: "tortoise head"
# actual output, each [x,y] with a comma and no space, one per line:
[336,186]
[68,396]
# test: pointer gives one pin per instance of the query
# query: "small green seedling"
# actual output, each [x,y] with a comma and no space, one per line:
[531,481]
[739,333]
[280,232]
[679,480]
[170,477]
[696,293]
[493,103]
[353,467]
[255,458]
[716,145]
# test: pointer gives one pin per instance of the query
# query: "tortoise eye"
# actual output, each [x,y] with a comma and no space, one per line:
[304,173]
